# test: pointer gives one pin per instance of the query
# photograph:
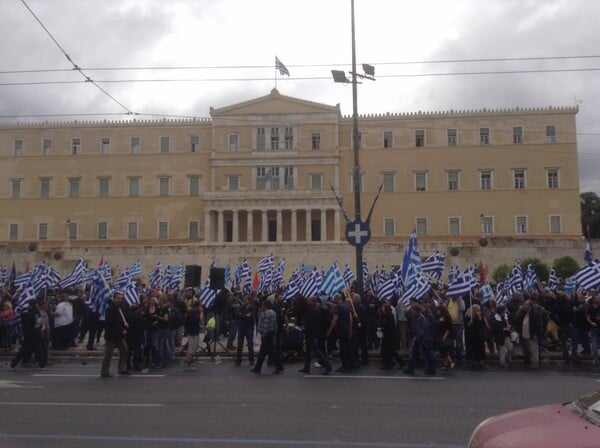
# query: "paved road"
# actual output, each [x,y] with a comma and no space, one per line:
[220,405]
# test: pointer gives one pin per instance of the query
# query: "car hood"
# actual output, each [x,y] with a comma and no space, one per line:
[543,426]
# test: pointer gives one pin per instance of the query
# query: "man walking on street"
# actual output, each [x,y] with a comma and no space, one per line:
[114,335]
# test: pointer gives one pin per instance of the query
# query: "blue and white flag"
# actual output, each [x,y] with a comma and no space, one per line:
[552,280]
[24,299]
[434,265]
[389,287]
[75,277]
[348,275]
[531,278]
[461,285]
[130,294]
[207,295]
[291,291]
[246,272]
[417,287]
[589,276]
[332,281]
[282,68]
[155,277]
[100,295]
[131,272]
[487,293]
[312,285]
[411,256]
[266,264]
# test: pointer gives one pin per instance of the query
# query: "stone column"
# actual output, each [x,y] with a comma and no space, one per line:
[336,224]
[264,226]
[294,219]
[219,226]
[207,228]
[250,229]
[279,236]
[323,224]
[308,226]
[234,226]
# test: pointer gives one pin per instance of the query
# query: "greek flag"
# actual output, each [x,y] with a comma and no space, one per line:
[348,275]
[312,285]
[266,264]
[517,278]
[434,265]
[411,256]
[246,273]
[282,68]
[416,288]
[22,301]
[207,295]
[291,291]
[332,281]
[570,285]
[460,286]
[130,294]
[155,276]
[552,280]
[75,277]
[389,287]
[486,293]
[100,295]
[531,278]
[589,277]
[131,272]
[453,273]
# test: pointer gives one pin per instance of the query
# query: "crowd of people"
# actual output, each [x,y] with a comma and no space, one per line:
[434,332]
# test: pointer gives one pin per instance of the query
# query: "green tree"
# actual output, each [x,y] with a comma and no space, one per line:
[590,214]
[501,272]
[565,266]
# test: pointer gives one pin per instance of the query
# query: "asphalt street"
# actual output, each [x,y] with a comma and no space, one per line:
[221,405]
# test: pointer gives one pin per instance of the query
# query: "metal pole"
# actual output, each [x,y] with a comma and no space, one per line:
[357,214]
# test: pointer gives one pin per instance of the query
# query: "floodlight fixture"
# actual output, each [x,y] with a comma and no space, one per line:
[339,76]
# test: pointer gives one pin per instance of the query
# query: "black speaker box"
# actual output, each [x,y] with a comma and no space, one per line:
[217,278]
[192,276]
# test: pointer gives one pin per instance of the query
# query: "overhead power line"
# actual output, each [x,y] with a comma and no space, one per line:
[75,66]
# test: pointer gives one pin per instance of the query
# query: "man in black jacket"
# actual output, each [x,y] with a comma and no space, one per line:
[35,328]
[114,334]
[312,330]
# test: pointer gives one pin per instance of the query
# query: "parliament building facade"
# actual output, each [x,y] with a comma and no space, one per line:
[259,174]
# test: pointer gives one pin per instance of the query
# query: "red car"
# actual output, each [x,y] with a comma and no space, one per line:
[575,424]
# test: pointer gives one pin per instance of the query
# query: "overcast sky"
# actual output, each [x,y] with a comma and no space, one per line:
[310,37]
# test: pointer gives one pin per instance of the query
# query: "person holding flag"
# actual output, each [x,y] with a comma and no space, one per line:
[116,327]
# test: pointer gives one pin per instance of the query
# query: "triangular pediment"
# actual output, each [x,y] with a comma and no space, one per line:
[274,104]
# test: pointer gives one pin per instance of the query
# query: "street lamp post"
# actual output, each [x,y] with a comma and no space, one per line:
[340,76]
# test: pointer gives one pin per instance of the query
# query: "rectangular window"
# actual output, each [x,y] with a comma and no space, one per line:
[484,136]
[555,224]
[194,185]
[421,181]
[419,137]
[102,230]
[521,225]
[316,181]
[421,226]
[194,143]
[289,138]
[485,179]
[15,188]
[234,142]
[261,177]
[46,147]
[193,230]
[388,182]
[274,178]
[165,145]
[104,183]
[519,179]
[132,230]
[361,183]
[552,175]
[72,229]
[274,139]
[135,145]
[550,134]
[452,180]
[43,231]
[316,141]
[452,137]
[44,188]
[134,186]
[517,135]
[13,232]
[389,226]
[163,230]
[105,145]
[388,139]
[261,142]
[75,146]
[163,186]
[233,183]
[487,224]
[74,188]
[18,147]
[454,226]
[288,177]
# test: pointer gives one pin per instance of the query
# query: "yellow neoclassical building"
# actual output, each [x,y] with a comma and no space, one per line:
[261,172]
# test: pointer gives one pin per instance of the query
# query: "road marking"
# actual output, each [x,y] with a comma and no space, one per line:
[228,442]
[18,385]
[376,377]
[94,405]
[88,375]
